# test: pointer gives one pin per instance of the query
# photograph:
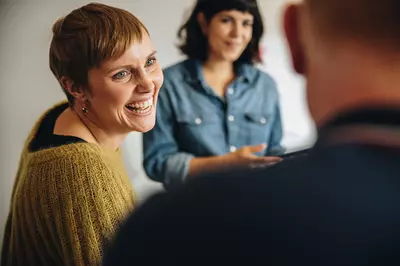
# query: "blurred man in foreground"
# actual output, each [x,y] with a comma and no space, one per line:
[340,205]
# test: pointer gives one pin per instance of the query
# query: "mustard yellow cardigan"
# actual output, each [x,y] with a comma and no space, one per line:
[66,205]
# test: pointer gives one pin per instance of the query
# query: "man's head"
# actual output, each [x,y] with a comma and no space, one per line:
[334,42]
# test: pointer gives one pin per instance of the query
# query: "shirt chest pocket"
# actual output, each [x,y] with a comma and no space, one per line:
[198,128]
[257,127]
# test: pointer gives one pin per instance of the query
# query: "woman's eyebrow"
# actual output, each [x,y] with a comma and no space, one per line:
[152,54]
[128,66]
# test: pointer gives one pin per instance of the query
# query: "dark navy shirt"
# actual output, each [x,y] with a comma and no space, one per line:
[337,206]
[192,121]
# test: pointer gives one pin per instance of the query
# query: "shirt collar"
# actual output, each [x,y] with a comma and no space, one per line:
[246,72]
[369,117]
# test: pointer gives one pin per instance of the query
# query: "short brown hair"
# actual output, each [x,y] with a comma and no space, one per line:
[89,35]
[370,21]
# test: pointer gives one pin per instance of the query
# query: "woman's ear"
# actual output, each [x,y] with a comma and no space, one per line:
[201,19]
[74,90]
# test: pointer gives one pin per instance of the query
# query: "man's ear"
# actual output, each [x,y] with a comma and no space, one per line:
[201,19]
[74,90]
[292,31]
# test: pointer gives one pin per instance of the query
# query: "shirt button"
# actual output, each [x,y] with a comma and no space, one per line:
[230,91]
[198,121]
[263,120]
[232,148]
[231,118]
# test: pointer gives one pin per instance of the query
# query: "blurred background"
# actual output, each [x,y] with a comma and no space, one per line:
[28,87]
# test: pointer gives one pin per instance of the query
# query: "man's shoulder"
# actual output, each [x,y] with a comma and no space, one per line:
[293,176]
[308,202]
[328,169]
[282,169]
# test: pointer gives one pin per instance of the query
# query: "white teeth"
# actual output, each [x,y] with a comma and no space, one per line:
[141,107]
[141,111]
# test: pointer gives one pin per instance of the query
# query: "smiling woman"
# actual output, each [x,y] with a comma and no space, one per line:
[71,191]
[216,109]
[117,91]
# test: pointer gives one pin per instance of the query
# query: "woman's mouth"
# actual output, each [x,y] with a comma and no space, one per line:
[143,107]
[233,44]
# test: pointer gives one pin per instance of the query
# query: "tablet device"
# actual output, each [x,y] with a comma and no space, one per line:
[295,154]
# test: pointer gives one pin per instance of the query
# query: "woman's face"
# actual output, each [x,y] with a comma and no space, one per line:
[123,91]
[229,33]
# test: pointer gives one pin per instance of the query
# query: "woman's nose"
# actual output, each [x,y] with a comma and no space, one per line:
[145,84]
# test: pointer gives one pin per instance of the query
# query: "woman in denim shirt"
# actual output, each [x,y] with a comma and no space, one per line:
[215,109]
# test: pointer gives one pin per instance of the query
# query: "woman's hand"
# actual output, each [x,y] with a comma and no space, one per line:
[245,157]
[242,158]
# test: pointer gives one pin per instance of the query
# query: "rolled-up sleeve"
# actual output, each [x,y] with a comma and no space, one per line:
[163,161]
[177,169]
[274,146]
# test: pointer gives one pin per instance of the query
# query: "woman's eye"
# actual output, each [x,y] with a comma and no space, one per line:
[150,62]
[225,20]
[248,24]
[121,74]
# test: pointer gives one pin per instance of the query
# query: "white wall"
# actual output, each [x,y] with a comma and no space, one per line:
[28,87]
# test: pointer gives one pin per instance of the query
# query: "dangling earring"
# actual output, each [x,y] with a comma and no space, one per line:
[84,110]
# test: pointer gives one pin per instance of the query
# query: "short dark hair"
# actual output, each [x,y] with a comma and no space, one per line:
[195,44]
[89,35]
[372,22]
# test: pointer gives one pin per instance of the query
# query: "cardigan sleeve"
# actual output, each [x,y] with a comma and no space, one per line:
[77,208]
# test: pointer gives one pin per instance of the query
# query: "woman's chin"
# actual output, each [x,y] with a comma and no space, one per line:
[230,55]
[143,124]
[144,128]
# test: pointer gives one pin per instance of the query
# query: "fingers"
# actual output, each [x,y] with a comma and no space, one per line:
[256,148]
[265,159]
[261,162]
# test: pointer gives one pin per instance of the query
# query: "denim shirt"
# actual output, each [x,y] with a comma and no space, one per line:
[192,121]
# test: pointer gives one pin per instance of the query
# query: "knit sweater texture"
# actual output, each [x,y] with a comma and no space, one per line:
[67,203]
